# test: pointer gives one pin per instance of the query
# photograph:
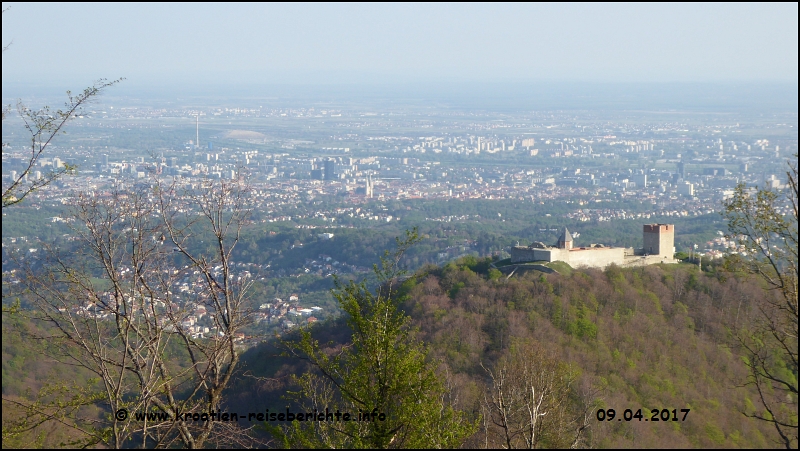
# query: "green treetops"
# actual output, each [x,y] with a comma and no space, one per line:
[383,369]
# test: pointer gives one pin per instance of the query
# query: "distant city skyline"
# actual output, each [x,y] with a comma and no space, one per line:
[241,44]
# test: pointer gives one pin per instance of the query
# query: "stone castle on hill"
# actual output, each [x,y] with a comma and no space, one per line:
[659,247]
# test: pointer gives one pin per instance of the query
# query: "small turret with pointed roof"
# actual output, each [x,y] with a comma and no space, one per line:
[565,240]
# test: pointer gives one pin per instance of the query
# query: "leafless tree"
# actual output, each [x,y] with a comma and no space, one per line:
[44,125]
[764,223]
[148,263]
[532,401]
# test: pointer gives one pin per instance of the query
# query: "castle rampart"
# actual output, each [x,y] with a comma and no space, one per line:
[659,247]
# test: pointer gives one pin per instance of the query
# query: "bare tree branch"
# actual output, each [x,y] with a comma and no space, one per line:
[765,224]
[118,307]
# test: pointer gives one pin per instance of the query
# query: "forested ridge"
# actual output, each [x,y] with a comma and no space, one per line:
[645,338]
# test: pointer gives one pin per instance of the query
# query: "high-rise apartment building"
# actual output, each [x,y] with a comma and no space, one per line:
[686,189]
[329,169]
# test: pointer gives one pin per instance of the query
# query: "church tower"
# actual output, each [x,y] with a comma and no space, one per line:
[565,241]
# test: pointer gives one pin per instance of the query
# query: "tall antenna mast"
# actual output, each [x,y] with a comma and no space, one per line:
[197,123]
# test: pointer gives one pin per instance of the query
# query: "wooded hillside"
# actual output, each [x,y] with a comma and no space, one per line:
[644,338]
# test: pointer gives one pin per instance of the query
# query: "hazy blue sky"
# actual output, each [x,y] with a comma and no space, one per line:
[313,43]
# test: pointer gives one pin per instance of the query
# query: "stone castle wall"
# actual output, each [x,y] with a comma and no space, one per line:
[520,254]
[591,257]
[646,260]
[596,257]
[659,247]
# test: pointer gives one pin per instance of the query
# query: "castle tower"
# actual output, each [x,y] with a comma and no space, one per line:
[659,239]
[565,241]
